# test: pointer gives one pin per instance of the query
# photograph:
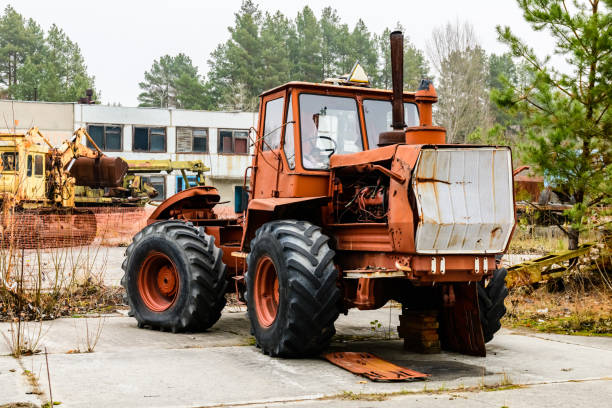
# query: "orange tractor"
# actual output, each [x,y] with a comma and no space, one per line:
[354,200]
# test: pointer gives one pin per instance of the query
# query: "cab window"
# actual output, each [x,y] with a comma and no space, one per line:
[273,124]
[29,168]
[378,118]
[328,125]
[10,161]
[289,145]
[38,165]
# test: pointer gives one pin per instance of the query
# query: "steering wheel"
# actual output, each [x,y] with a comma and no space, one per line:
[333,142]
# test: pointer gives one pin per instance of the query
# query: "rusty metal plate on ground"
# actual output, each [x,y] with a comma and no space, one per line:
[372,367]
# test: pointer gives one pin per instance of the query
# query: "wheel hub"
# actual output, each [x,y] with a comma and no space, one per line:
[266,292]
[158,281]
[166,281]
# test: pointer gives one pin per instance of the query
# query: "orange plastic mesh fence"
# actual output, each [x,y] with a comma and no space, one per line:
[110,226]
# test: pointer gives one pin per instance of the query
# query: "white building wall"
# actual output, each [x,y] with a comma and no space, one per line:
[54,119]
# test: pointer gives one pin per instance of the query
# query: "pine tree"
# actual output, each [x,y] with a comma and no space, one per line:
[335,44]
[307,58]
[362,49]
[567,113]
[35,66]
[173,82]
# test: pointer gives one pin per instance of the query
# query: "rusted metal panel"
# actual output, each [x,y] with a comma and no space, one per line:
[362,237]
[200,197]
[373,273]
[366,157]
[270,204]
[370,366]
[464,200]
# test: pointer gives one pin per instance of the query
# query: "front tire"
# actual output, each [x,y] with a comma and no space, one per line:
[291,289]
[491,303]
[174,277]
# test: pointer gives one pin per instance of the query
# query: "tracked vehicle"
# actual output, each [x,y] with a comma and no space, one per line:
[353,199]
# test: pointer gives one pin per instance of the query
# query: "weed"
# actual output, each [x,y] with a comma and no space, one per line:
[23,337]
[92,337]
[504,384]
[375,325]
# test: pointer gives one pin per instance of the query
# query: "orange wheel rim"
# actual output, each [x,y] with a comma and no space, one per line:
[158,282]
[266,292]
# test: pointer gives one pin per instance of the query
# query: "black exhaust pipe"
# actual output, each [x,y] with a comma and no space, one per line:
[397,78]
[397,135]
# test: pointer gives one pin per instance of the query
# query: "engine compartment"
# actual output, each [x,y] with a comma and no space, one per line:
[360,196]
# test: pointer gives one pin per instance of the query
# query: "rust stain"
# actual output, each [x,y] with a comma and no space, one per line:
[432,180]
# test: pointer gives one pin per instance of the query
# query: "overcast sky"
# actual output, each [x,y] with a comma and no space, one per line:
[120,39]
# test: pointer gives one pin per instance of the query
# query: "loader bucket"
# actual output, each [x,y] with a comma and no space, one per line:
[99,172]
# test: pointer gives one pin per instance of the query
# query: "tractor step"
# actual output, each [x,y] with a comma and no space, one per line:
[419,329]
[370,366]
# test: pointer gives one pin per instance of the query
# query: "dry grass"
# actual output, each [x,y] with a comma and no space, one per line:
[565,307]
[42,284]
[579,303]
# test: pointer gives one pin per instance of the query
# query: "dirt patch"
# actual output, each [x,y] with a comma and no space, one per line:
[585,311]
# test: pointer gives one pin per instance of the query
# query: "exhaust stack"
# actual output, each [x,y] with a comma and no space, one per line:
[425,96]
[397,135]
[397,78]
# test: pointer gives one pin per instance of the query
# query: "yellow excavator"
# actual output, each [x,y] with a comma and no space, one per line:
[37,188]
[47,192]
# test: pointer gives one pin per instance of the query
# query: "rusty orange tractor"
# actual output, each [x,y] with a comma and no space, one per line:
[354,200]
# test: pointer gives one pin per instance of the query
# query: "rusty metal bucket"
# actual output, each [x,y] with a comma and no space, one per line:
[99,172]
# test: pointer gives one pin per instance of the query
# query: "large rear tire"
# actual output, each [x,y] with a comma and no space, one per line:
[174,277]
[491,303]
[291,293]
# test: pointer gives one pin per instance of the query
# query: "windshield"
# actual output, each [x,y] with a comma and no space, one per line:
[378,118]
[329,125]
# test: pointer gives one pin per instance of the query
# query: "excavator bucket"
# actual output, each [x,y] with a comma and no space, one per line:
[99,172]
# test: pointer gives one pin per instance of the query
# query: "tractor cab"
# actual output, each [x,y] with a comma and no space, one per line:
[22,167]
[305,124]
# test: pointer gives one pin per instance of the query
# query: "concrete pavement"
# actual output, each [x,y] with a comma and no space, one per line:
[131,367]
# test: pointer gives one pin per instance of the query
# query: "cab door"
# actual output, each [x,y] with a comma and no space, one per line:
[267,149]
[34,180]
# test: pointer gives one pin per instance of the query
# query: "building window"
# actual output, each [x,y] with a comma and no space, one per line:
[107,137]
[180,182]
[159,184]
[233,141]
[190,140]
[149,139]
